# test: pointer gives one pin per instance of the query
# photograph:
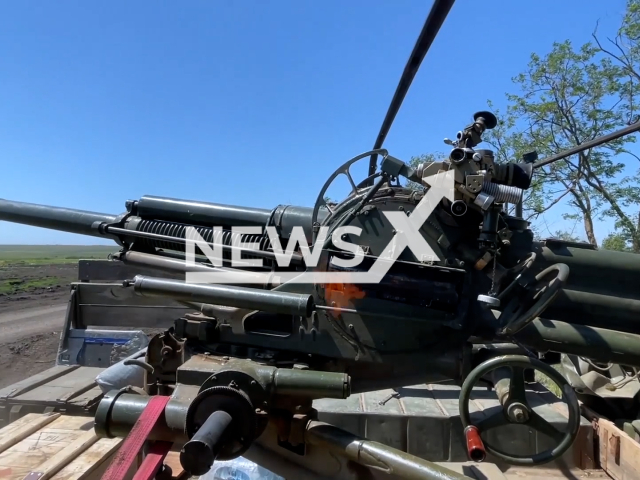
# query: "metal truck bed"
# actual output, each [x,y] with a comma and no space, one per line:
[422,420]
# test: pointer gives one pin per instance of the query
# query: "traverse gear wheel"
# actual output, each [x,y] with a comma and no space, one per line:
[234,402]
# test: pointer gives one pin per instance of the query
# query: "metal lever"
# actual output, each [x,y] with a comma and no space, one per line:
[199,453]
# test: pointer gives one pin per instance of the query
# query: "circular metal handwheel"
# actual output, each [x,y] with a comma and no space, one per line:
[519,312]
[344,169]
[237,404]
[515,408]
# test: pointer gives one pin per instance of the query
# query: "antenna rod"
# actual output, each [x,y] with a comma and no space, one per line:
[590,144]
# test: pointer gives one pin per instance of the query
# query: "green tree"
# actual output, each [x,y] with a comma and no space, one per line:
[571,96]
[624,50]
[565,98]
[617,242]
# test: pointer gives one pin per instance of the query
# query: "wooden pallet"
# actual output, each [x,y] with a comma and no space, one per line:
[52,446]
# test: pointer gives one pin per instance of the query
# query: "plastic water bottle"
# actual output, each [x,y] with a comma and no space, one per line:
[239,469]
[228,472]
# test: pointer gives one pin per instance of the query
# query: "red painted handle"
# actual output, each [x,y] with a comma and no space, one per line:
[475,447]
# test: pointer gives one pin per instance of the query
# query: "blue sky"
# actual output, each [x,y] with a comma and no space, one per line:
[243,102]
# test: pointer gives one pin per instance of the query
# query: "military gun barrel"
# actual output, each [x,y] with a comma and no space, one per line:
[590,144]
[232,296]
[200,213]
[598,344]
[586,299]
[54,218]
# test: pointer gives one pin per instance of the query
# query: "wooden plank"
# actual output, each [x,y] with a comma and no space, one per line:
[35,381]
[619,453]
[12,434]
[173,461]
[21,422]
[36,449]
[58,461]
[92,464]
[56,390]
[64,449]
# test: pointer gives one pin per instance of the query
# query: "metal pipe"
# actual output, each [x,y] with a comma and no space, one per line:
[54,218]
[311,383]
[117,412]
[178,255]
[199,453]
[597,344]
[200,213]
[232,296]
[376,456]
[590,144]
[158,262]
[519,212]
[616,312]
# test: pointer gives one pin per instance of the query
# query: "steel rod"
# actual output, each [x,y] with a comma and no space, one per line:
[590,144]
[174,265]
[232,296]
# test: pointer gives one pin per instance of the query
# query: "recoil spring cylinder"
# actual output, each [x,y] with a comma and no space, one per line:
[502,193]
[225,237]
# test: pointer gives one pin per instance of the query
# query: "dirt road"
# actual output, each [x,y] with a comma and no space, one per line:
[33,301]
[16,325]
[29,340]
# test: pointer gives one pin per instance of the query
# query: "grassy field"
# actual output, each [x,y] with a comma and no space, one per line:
[16,285]
[51,254]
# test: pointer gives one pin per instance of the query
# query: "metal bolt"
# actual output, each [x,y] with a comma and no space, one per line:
[351,327]
[518,414]
[253,383]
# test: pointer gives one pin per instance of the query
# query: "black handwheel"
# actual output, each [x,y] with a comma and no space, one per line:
[515,408]
[521,311]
